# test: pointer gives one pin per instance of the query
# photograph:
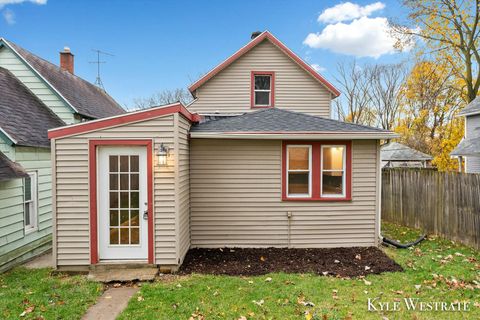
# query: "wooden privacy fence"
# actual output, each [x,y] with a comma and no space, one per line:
[443,203]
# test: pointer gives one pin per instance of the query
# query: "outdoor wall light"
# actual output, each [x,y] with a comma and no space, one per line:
[162,155]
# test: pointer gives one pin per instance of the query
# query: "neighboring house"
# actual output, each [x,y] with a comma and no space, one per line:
[253,161]
[469,147]
[395,155]
[35,95]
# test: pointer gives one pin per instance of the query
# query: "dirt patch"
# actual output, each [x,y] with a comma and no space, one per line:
[343,262]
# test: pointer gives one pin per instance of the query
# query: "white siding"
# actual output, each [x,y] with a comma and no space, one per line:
[10,61]
[183,193]
[235,199]
[72,191]
[472,128]
[295,89]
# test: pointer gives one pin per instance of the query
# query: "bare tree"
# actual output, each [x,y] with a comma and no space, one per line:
[354,105]
[386,84]
[163,97]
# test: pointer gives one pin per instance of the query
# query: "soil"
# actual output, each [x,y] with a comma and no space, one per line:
[342,262]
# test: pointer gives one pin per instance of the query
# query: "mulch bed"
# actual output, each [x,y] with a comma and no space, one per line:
[342,262]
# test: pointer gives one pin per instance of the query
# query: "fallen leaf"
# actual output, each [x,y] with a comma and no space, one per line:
[308,315]
[367,283]
[179,285]
[242,318]
[140,298]
[325,273]
[358,257]
[418,286]
[262,258]
[336,261]
[268,279]
[367,268]
[259,303]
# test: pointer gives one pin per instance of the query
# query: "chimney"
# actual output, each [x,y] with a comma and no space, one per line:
[66,60]
[255,34]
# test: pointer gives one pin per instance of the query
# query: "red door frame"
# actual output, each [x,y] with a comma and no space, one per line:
[93,144]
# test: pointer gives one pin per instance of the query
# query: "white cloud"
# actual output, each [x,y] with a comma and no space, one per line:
[6,2]
[317,67]
[363,37]
[9,16]
[348,11]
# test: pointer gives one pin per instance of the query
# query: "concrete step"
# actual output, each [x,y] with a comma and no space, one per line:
[123,274]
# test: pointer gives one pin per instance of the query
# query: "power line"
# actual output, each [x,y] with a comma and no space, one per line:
[98,80]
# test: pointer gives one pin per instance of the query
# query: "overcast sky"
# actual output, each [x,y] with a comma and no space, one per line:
[168,44]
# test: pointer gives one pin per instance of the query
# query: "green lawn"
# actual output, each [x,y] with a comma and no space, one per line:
[36,294]
[436,270]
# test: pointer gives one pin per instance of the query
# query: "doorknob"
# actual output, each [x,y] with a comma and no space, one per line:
[145,215]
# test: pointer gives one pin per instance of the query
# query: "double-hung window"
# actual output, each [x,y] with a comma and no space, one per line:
[262,89]
[299,169]
[333,170]
[30,206]
[317,170]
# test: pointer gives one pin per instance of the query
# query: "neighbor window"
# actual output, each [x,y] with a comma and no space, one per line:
[262,89]
[333,170]
[30,207]
[299,171]
[317,170]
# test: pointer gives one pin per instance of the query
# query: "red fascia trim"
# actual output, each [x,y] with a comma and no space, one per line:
[252,44]
[92,147]
[252,88]
[316,165]
[123,119]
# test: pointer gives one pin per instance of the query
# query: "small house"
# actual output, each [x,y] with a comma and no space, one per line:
[397,155]
[254,161]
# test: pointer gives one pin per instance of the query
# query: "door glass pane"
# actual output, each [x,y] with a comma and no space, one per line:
[113,200]
[113,218]
[113,161]
[134,204]
[262,82]
[332,183]
[124,219]
[124,182]
[113,181]
[124,163]
[134,181]
[262,98]
[134,217]
[114,235]
[133,163]
[333,158]
[298,158]
[124,200]
[134,235]
[298,183]
[124,236]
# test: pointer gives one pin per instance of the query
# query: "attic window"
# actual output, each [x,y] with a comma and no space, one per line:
[262,95]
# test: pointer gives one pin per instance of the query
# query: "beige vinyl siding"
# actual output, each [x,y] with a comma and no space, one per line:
[72,191]
[295,89]
[183,193]
[14,243]
[11,62]
[235,199]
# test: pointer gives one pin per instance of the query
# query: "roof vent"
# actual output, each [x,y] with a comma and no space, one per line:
[255,34]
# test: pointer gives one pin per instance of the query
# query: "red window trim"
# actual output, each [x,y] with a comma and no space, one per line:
[316,170]
[92,157]
[252,88]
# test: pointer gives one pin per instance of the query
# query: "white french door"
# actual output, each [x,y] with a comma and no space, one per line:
[122,203]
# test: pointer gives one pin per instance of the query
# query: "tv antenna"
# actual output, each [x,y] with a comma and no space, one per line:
[98,80]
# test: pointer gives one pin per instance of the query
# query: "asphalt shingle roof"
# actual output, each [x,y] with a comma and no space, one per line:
[395,151]
[9,169]
[472,107]
[279,120]
[89,100]
[22,115]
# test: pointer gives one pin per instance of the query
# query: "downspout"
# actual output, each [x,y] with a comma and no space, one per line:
[379,194]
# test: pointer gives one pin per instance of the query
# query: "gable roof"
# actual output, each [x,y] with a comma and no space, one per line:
[395,151]
[9,169]
[24,119]
[85,98]
[266,35]
[472,108]
[123,119]
[273,122]
[467,147]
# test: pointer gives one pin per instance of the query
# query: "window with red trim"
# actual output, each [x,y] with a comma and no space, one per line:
[319,170]
[262,89]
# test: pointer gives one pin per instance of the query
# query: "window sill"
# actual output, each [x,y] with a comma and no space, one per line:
[331,199]
[262,107]
[30,230]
